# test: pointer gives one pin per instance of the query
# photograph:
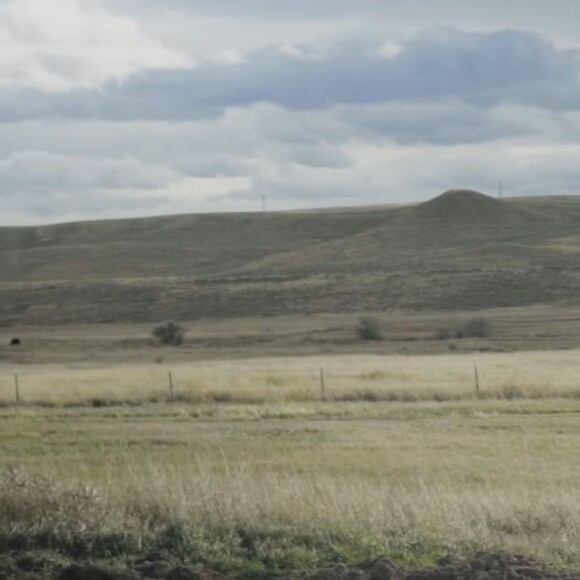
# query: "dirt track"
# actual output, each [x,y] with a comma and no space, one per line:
[484,566]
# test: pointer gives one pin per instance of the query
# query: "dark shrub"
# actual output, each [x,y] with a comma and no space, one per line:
[369,328]
[475,328]
[169,333]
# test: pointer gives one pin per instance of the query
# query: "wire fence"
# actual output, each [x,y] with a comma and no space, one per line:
[337,379]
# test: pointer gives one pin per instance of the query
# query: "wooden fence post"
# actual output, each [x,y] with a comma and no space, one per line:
[171,397]
[477,391]
[17,389]
[322,385]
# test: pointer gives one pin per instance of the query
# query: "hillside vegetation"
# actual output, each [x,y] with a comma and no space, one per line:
[460,250]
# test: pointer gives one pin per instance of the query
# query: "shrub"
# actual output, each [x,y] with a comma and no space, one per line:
[169,333]
[369,328]
[475,328]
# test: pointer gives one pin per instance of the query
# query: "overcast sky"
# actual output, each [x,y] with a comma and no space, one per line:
[119,108]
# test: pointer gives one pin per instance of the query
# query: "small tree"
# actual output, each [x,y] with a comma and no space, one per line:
[475,328]
[169,333]
[369,328]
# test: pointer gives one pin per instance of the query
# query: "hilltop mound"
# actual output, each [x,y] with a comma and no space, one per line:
[464,205]
[460,217]
[456,218]
[419,236]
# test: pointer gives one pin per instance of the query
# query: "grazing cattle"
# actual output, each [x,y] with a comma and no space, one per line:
[15,342]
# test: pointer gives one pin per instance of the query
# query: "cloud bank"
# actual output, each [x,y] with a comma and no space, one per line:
[100,116]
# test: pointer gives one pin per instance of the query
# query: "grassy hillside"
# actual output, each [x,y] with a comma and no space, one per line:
[459,250]
[167,246]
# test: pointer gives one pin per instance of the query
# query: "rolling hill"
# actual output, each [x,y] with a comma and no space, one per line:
[460,250]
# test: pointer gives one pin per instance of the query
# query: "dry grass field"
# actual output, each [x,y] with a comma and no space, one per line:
[281,381]
[534,328]
[274,441]
[250,472]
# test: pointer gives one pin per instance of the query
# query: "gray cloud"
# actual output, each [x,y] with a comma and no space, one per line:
[340,156]
[336,122]
[419,12]
[60,206]
[443,122]
[482,68]
[41,171]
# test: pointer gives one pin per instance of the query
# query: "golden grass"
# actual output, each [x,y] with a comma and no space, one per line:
[293,483]
[410,486]
[278,381]
[438,512]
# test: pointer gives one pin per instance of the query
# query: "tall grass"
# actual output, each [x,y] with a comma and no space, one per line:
[400,461]
[280,381]
[292,521]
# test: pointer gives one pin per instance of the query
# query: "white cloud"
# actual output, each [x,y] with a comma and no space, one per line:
[62,45]
[344,156]
[193,190]
[390,49]
[414,173]
[229,56]
[42,171]
[41,187]
[359,119]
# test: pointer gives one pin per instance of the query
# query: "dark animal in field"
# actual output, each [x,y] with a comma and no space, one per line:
[15,342]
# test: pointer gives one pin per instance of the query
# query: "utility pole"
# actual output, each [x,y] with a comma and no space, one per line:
[263,203]
[500,189]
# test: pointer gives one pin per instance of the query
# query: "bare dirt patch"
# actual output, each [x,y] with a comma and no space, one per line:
[484,566]
[161,566]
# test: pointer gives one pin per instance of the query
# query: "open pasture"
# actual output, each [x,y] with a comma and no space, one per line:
[537,328]
[248,470]
[527,375]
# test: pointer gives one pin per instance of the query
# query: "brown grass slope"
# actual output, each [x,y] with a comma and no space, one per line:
[432,234]
[460,250]
[166,246]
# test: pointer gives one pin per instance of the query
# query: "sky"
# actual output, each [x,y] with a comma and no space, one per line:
[126,108]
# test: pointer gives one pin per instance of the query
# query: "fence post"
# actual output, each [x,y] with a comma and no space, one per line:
[322,385]
[477,391]
[171,387]
[17,389]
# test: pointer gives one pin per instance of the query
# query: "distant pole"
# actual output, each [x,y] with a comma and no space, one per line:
[170,386]
[477,392]
[500,189]
[263,203]
[322,385]
[17,389]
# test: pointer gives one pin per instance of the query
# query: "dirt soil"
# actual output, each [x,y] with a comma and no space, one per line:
[484,566]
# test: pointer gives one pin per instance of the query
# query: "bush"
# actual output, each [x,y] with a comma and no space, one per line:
[475,328]
[169,333]
[369,328]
